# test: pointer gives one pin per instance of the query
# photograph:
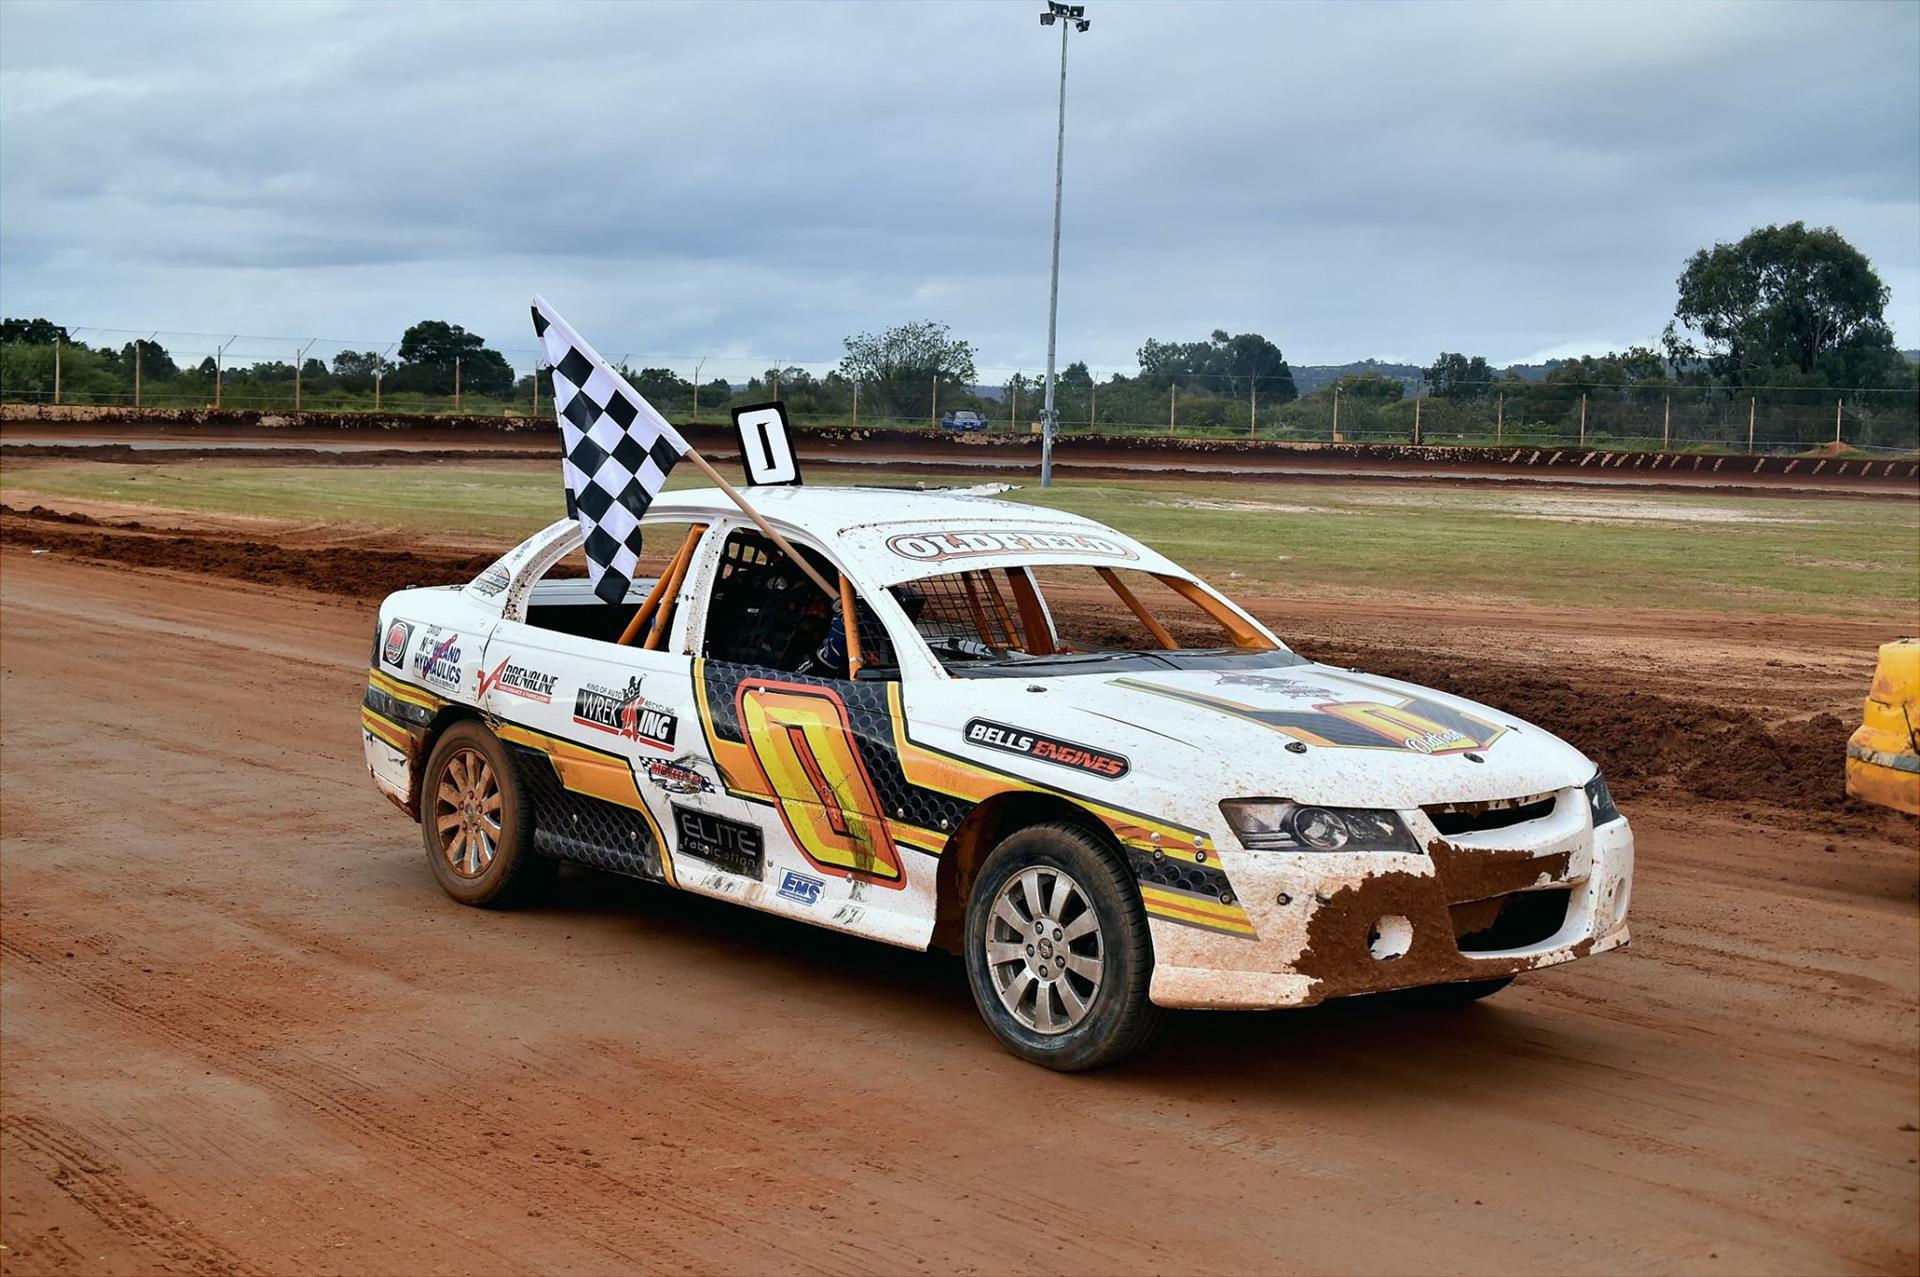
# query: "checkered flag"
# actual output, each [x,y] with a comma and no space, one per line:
[618,452]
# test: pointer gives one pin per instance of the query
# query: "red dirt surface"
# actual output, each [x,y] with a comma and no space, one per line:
[242,1030]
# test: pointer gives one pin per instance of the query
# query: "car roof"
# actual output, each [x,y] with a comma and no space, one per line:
[901,533]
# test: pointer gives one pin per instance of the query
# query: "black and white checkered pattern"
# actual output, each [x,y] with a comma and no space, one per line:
[618,452]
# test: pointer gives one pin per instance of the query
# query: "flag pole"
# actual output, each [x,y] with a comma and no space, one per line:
[833,592]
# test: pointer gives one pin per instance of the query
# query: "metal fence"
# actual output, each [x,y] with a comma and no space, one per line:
[280,374]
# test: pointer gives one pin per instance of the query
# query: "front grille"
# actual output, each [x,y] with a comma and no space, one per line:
[1474,818]
[1510,922]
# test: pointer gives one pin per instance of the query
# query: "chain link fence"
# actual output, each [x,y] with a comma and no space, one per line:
[163,370]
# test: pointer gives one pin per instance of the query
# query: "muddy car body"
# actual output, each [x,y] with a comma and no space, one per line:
[1103,831]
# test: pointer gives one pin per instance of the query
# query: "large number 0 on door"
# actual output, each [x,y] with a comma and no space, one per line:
[806,751]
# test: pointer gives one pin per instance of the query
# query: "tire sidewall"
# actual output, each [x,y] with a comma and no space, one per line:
[498,876]
[1123,927]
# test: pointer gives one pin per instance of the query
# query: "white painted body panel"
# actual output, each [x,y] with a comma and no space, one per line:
[1190,738]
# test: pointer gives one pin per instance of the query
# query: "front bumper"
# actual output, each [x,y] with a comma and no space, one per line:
[1469,909]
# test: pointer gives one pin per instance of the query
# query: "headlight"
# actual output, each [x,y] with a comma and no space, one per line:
[1600,801]
[1274,824]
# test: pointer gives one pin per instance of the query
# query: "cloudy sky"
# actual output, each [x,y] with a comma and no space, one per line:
[757,181]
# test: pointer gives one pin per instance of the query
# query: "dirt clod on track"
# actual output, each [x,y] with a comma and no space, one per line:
[242,1030]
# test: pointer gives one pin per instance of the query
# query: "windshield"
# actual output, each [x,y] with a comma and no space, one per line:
[1072,617]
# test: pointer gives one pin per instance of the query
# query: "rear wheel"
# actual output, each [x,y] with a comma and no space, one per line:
[476,821]
[1057,951]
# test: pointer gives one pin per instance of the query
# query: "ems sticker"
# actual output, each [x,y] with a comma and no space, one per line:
[625,713]
[519,680]
[438,660]
[728,844]
[938,547]
[394,649]
[1048,749]
[800,888]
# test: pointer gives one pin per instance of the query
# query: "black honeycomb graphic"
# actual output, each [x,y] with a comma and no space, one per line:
[1180,875]
[588,830]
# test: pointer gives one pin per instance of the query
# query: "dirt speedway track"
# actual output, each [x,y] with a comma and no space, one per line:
[244,1031]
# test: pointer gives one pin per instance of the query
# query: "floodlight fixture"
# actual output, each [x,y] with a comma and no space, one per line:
[1075,16]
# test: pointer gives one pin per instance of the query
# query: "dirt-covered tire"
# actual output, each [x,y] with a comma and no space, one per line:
[477,824]
[1055,898]
[1458,994]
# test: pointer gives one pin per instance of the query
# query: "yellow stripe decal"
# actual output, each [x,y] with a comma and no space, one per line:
[597,774]
[388,732]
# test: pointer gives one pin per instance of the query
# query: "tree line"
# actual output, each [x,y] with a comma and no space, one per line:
[1789,309]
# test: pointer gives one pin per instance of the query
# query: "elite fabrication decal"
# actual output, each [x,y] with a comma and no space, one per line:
[1412,723]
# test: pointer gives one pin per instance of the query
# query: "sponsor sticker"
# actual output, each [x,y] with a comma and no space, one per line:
[728,844]
[625,713]
[493,580]
[1278,685]
[519,680]
[438,660]
[679,775]
[1048,749]
[393,649]
[938,547]
[800,888]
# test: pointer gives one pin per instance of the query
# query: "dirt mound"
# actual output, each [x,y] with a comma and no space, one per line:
[1641,739]
[352,571]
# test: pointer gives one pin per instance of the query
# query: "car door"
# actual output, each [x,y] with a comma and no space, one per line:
[606,733]
[804,747]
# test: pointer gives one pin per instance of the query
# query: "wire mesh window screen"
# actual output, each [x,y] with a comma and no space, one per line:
[969,612]
[764,611]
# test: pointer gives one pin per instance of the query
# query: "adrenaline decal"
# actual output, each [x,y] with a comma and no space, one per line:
[518,680]
[1411,723]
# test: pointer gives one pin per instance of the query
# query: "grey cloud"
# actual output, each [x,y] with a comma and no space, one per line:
[1350,180]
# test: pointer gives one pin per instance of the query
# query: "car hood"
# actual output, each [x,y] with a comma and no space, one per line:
[1313,733]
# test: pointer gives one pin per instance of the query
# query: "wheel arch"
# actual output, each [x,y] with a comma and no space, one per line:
[985,827]
[445,717]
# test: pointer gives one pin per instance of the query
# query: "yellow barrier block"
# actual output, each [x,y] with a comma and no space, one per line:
[1883,756]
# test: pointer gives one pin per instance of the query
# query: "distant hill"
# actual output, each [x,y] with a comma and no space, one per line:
[1308,378]
[1913,356]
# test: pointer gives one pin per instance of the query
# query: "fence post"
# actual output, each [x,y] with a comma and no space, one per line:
[56,370]
[379,371]
[1666,427]
[536,392]
[136,372]
[456,384]
[1416,420]
[933,416]
[1093,407]
[1013,413]
[1336,413]
[1836,421]
[1500,419]
[856,405]
[1750,408]
[1173,404]
[1583,419]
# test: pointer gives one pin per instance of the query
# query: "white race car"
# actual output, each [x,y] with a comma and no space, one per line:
[1043,745]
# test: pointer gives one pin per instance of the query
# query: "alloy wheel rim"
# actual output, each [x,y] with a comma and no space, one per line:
[1046,954]
[466,813]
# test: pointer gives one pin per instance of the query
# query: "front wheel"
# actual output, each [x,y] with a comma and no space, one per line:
[1057,950]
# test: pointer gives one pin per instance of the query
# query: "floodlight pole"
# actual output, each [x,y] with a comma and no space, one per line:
[1056,13]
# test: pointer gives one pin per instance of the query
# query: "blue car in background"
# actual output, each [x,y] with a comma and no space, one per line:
[964,420]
